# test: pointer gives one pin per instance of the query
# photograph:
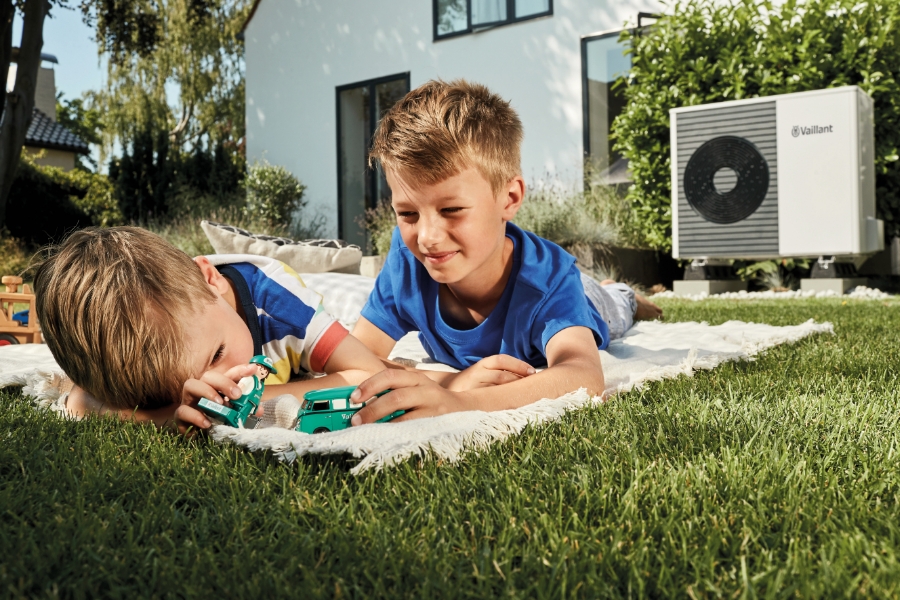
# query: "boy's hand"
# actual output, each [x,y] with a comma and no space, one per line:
[493,370]
[214,386]
[413,392]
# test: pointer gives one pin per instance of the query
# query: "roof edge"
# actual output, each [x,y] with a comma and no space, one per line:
[49,146]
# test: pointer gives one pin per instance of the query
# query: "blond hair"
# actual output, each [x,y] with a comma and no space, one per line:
[440,129]
[111,303]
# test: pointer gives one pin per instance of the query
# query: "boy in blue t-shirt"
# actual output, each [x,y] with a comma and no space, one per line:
[485,296]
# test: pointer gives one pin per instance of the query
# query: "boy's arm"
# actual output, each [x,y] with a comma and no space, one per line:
[81,404]
[350,363]
[573,360]
[373,338]
[354,354]
[493,370]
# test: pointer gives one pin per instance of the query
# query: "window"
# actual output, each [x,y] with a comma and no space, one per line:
[360,107]
[456,17]
[603,64]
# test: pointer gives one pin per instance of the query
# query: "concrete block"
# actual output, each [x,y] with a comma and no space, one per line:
[711,286]
[838,285]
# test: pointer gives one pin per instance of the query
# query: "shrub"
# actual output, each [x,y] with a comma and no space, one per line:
[778,275]
[595,215]
[273,194]
[15,256]
[565,221]
[47,202]
[710,51]
[154,179]
[380,223]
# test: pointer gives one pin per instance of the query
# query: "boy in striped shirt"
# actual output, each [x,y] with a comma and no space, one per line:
[144,332]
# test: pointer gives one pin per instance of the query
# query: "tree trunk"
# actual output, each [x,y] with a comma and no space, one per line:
[7,12]
[20,102]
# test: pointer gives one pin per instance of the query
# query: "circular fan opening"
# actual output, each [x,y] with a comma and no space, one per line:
[726,179]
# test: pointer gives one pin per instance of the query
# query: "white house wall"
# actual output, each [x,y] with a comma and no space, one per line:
[299,51]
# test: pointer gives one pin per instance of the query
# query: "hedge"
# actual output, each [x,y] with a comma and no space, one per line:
[706,51]
[46,202]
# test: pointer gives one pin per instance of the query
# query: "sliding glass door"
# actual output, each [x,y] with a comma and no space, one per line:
[360,107]
[604,64]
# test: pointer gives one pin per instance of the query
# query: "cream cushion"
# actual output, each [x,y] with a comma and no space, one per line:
[304,256]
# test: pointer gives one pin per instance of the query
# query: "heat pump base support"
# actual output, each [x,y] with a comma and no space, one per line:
[708,286]
[838,285]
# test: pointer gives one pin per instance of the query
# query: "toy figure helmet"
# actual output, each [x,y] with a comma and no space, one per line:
[265,361]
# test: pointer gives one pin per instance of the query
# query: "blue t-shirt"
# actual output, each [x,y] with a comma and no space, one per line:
[543,296]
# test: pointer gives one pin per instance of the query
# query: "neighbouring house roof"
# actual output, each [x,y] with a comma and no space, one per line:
[44,132]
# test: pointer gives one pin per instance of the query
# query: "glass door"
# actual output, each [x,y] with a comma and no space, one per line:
[360,107]
[604,63]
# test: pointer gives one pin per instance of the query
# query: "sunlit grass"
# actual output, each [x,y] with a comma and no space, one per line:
[775,477]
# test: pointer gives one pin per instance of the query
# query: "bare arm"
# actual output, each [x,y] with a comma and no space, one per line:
[573,363]
[373,338]
[81,404]
[493,370]
[354,354]
[298,388]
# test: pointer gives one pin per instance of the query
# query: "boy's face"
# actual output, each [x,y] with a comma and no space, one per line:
[456,228]
[217,338]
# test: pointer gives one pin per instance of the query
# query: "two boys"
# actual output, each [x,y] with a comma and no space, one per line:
[486,297]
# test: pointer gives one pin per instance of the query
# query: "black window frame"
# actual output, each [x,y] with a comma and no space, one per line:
[372,174]
[470,29]
[585,109]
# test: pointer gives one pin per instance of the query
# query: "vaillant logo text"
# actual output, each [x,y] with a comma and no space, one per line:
[797,131]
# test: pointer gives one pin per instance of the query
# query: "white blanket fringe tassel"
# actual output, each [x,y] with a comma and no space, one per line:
[651,351]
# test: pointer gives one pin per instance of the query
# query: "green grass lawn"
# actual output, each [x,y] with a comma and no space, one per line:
[770,478]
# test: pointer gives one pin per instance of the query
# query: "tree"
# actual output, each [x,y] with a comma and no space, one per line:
[18,105]
[156,46]
[150,45]
[83,121]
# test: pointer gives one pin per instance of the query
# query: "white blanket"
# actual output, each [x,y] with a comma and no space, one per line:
[651,351]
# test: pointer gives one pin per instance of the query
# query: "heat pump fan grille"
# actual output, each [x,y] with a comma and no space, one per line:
[727,222]
[726,152]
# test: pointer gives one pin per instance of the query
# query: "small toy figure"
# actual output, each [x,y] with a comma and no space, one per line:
[330,410]
[16,327]
[241,412]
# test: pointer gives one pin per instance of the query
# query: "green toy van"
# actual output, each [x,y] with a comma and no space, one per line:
[331,410]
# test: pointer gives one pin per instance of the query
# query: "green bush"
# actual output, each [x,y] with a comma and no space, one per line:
[273,194]
[154,179]
[15,257]
[564,220]
[47,202]
[709,51]
[380,223]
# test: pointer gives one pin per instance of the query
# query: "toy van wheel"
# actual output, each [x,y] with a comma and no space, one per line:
[7,340]
[321,430]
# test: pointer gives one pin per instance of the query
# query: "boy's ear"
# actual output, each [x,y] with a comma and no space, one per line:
[515,194]
[215,280]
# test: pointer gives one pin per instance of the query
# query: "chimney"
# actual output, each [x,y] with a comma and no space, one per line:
[45,91]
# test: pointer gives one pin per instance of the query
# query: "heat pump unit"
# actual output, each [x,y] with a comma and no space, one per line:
[781,176]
